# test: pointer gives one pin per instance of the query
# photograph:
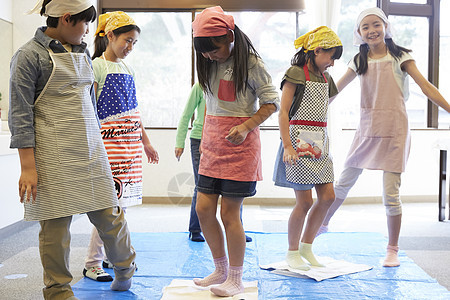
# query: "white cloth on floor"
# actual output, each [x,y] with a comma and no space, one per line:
[180,289]
[333,268]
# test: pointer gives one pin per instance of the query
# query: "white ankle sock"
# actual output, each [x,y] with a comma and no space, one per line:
[306,252]
[295,261]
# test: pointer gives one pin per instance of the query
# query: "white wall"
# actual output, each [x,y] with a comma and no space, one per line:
[6,10]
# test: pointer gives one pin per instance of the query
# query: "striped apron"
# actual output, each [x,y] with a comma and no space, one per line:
[73,171]
[308,133]
[122,135]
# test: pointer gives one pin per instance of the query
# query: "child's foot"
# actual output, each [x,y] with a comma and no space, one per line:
[306,252]
[97,273]
[391,259]
[218,276]
[322,229]
[196,237]
[232,286]
[107,264]
[295,261]
[117,285]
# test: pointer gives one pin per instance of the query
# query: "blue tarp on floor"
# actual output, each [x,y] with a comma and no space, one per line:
[162,257]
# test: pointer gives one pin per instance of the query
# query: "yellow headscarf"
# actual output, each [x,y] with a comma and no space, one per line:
[322,37]
[111,21]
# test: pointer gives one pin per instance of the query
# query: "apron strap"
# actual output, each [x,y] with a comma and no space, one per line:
[307,77]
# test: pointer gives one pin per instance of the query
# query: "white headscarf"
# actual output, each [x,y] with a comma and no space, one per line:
[57,8]
[357,39]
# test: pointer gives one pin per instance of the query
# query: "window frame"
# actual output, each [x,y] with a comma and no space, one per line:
[431,11]
[196,6]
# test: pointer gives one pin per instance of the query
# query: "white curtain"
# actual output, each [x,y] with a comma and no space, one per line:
[324,12]
[327,12]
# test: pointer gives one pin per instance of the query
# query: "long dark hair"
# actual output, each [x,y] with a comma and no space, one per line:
[242,50]
[101,42]
[301,57]
[361,59]
[87,15]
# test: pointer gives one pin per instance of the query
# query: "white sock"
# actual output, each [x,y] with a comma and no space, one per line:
[306,252]
[295,261]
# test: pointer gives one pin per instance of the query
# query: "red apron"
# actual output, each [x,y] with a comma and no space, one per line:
[224,160]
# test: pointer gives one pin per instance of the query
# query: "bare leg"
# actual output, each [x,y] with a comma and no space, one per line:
[230,214]
[206,208]
[325,198]
[297,218]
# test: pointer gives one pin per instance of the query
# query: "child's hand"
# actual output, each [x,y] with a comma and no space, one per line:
[151,153]
[178,152]
[28,186]
[290,156]
[237,134]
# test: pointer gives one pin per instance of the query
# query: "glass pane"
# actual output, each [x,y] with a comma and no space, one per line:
[162,63]
[273,35]
[346,110]
[412,33]
[444,62]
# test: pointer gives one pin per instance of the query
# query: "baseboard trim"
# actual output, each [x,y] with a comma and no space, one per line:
[15,228]
[289,201]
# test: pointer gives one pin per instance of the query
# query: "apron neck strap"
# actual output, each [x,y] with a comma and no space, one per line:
[307,77]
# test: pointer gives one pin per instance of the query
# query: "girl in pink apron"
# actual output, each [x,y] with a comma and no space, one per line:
[303,159]
[382,140]
[233,77]
[122,130]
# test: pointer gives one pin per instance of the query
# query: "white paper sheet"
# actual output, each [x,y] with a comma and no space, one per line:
[187,290]
[333,268]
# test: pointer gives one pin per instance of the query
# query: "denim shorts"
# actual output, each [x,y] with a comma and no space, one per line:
[279,174]
[225,187]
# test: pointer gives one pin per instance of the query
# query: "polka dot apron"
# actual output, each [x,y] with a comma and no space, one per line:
[122,135]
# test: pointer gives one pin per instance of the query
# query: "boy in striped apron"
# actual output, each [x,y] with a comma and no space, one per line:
[65,169]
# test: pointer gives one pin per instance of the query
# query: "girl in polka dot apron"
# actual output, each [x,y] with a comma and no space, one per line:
[121,125]
[303,161]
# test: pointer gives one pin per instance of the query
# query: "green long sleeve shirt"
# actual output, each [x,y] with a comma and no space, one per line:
[196,101]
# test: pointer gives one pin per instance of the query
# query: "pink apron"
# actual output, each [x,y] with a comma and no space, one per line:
[122,135]
[224,160]
[382,141]
[308,133]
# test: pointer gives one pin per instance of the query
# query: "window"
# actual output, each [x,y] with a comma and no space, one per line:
[162,64]
[412,33]
[163,58]
[345,112]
